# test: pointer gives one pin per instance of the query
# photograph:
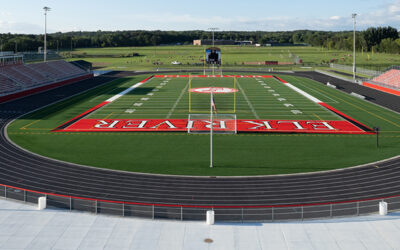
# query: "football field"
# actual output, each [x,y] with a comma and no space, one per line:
[251,103]
[257,98]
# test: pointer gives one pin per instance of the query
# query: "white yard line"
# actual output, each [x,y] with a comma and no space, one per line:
[126,91]
[121,94]
[316,101]
[318,92]
[101,95]
[177,101]
[247,100]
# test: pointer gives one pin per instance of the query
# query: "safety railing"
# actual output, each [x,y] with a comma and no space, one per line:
[189,212]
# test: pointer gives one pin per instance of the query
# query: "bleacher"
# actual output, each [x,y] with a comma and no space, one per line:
[67,67]
[34,75]
[15,75]
[7,85]
[19,77]
[390,79]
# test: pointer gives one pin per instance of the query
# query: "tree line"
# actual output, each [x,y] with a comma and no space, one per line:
[380,39]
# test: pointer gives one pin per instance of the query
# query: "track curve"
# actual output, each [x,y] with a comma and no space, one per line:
[23,169]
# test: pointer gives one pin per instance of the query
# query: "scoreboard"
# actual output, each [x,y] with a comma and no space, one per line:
[213,56]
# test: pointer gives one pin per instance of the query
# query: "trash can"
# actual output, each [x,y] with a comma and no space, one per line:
[41,203]
[210,217]
[383,208]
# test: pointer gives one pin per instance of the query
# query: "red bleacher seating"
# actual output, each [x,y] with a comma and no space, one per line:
[45,70]
[7,85]
[66,67]
[31,73]
[15,75]
[18,77]
[390,78]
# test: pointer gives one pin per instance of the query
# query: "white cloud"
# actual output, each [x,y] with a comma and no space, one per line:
[19,27]
[387,16]
[384,15]
[394,9]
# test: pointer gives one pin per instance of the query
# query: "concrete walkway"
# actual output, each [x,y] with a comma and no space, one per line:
[24,227]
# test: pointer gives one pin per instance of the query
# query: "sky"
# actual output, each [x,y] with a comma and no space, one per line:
[26,16]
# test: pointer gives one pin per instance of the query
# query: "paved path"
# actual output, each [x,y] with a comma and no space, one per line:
[24,227]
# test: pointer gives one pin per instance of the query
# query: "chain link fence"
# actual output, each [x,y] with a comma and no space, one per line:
[222,213]
[368,72]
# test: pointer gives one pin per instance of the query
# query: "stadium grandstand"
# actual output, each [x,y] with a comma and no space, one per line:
[388,82]
[17,77]
[390,78]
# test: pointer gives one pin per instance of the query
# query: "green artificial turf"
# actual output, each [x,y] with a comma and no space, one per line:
[188,154]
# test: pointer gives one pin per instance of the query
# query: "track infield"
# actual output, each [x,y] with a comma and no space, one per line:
[166,98]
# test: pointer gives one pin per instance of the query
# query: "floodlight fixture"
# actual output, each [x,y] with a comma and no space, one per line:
[46,9]
[354,15]
[213,30]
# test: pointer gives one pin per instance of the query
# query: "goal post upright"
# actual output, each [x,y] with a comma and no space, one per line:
[211,129]
[204,62]
[234,95]
[190,93]
[220,66]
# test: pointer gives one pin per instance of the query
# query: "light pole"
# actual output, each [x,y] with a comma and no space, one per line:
[46,9]
[213,30]
[354,46]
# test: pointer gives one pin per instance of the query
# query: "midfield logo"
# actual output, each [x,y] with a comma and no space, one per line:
[214,90]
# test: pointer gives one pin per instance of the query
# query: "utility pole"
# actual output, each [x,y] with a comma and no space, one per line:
[46,9]
[71,48]
[354,46]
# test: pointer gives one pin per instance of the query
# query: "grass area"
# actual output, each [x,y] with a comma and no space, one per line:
[232,56]
[188,154]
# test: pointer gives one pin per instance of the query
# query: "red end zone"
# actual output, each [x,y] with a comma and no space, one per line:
[182,125]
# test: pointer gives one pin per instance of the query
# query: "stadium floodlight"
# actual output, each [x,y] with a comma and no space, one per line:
[354,46]
[46,9]
[213,30]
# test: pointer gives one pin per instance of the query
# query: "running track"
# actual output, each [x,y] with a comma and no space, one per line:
[25,170]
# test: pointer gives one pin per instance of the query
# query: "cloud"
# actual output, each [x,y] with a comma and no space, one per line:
[170,21]
[394,9]
[385,15]
[19,27]
[24,28]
